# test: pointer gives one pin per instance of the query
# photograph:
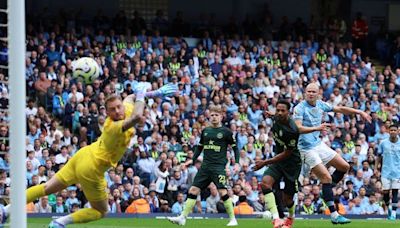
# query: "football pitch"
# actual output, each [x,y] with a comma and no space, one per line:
[211,223]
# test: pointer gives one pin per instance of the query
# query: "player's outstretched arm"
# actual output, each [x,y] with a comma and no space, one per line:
[306,130]
[137,112]
[350,111]
[167,90]
[278,158]
[164,91]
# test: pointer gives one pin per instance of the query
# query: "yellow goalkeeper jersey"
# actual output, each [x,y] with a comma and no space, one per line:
[112,144]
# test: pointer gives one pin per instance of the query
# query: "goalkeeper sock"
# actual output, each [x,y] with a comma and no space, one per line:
[270,204]
[83,216]
[228,206]
[189,204]
[35,192]
[65,220]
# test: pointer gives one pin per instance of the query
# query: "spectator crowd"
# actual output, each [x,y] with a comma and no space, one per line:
[246,75]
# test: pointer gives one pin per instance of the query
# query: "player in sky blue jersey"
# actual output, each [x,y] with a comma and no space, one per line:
[389,151]
[314,153]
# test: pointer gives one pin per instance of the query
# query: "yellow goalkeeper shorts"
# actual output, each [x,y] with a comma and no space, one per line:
[84,169]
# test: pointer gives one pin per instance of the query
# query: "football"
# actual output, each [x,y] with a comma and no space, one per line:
[267,215]
[85,69]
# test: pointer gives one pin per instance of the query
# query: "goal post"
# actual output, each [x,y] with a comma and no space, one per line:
[16,64]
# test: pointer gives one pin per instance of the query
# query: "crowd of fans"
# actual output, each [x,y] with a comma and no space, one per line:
[247,76]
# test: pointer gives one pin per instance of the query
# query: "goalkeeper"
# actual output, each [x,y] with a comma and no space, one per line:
[88,165]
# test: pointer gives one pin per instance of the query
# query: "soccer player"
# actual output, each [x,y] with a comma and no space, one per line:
[88,165]
[389,151]
[286,164]
[316,154]
[214,143]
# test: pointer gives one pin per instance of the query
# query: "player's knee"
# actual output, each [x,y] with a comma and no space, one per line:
[191,196]
[266,185]
[194,190]
[225,197]
[346,167]
[265,189]
[102,210]
[103,213]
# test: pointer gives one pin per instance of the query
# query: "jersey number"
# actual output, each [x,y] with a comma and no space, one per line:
[222,179]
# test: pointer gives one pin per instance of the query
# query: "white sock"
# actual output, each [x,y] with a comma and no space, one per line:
[334,214]
[65,220]
[7,210]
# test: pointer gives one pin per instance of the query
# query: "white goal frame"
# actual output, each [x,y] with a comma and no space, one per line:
[16,66]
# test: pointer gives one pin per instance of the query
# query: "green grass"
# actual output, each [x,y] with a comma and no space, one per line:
[211,223]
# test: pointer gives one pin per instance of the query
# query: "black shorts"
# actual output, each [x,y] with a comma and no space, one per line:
[289,175]
[205,176]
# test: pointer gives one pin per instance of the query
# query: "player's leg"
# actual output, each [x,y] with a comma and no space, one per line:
[228,206]
[198,204]
[218,177]
[271,174]
[201,181]
[279,199]
[395,201]
[386,186]
[288,194]
[63,178]
[342,167]
[52,186]
[386,195]
[394,186]
[98,210]
[317,159]
[267,184]
[326,180]
[191,200]
[55,184]
[188,208]
[327,194]
[90,175]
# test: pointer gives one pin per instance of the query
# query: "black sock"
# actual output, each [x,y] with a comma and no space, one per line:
[327,194]
[290,205]
[337,176]
[279,203]
[386,199]
[395,199]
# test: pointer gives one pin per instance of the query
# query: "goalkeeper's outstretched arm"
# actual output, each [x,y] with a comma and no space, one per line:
[137,113]
[166,90]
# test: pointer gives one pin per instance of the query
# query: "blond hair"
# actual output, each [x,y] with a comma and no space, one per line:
[215,108]
[111,98]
